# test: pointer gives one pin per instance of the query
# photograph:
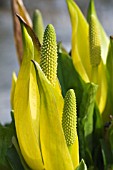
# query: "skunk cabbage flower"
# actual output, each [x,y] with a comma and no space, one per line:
[89,48]
[38,108]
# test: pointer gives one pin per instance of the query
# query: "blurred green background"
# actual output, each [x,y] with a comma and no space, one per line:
[54,12]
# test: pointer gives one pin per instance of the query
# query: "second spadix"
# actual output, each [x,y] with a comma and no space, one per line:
[69,123]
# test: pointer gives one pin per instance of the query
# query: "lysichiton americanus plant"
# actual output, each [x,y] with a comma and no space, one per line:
[61,103]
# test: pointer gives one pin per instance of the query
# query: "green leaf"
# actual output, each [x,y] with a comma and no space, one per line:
[13,159]
[87,110]
[80,49]
[88,100]
[15,143]
[106,153]
[86,121]
[52,141]
[98,127]
[103,36]
[6,134]
[82,144]
[111,138]
[82,166]
[109,65]
[69,77]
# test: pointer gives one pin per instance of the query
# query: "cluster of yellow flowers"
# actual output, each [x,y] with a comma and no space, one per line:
[45,122]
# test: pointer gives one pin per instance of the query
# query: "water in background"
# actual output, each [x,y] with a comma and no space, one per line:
[54,12]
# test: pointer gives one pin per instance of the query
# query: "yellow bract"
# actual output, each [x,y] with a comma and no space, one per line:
[26,107]
[80,44]
[80,50]
[53,145]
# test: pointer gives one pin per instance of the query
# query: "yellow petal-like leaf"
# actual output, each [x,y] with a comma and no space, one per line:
[80,42]
[14,79]
[74,152]
[53,145]
[26,107]
[103,87]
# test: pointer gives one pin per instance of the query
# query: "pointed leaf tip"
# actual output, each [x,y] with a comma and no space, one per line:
[79,24]
[38,25]
[29,37]
[18,7]
[82,166]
